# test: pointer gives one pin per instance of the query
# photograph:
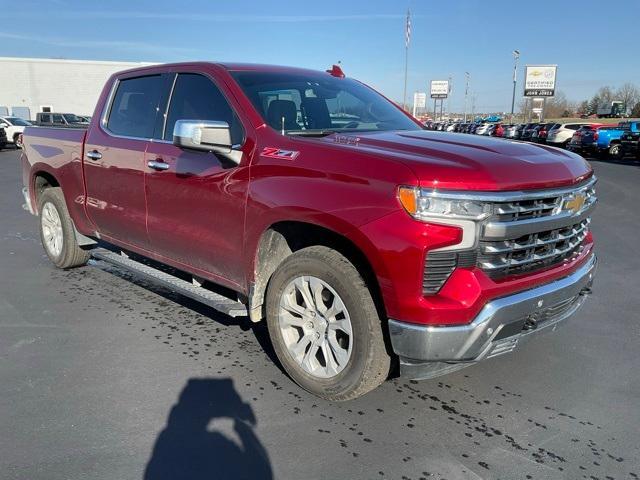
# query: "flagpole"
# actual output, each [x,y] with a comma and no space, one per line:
[407,37]
[406,61]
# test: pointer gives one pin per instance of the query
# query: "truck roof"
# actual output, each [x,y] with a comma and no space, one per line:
[231,66]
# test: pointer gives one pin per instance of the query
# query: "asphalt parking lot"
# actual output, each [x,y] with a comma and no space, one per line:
[106,377]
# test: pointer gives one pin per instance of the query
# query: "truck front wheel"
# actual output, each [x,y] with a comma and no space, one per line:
[57,232]
[324,325]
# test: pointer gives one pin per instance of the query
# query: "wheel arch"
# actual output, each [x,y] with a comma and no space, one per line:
[283,238]
[41,180]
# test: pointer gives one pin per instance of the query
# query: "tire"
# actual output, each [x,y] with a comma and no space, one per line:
[615,150]
[57,232]
[16,141]
[368,362]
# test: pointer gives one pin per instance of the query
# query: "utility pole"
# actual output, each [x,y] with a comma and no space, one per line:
[407,40]
[516,56]
[466,93]
[473,104]
[449,97]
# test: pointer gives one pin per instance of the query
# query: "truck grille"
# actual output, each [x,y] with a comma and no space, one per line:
[523,209]
[525,232]
[532,252]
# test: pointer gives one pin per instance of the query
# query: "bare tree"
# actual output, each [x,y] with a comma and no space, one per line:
[629,95]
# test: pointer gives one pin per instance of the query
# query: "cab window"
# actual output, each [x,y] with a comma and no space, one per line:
[135,105]
[195,97]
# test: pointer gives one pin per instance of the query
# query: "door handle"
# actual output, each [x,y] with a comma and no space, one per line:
[94,155]
[157,165]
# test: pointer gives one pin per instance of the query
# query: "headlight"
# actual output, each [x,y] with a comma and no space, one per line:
[446,208]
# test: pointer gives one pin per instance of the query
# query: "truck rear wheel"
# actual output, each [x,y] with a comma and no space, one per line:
[324,325]
[57,232]
[615,150]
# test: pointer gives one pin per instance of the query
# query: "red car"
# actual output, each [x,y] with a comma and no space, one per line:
[308,199]
[498,130]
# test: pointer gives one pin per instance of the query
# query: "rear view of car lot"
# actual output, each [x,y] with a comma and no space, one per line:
[106,376]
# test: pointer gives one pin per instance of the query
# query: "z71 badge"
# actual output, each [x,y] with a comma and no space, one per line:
[273,152]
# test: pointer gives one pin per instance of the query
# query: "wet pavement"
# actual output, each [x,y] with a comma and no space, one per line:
[105,376]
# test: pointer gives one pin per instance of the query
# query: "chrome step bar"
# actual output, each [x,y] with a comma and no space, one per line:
[223,304]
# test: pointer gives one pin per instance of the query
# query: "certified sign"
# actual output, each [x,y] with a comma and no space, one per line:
[439,88]
[540,80]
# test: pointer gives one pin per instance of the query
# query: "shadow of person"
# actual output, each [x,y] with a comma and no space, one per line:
[194,444]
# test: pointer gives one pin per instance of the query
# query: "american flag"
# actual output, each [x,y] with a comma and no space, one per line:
[407,32]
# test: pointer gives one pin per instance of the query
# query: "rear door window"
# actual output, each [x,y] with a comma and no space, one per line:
[58,119]
[135,106]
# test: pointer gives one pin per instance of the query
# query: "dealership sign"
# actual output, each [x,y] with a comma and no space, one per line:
[439,88]
[540,80]
[420,99]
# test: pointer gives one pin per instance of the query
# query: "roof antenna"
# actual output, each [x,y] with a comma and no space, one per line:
[282,124]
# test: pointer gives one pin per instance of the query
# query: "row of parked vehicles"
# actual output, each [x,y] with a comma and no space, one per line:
[582,137]
[11,127]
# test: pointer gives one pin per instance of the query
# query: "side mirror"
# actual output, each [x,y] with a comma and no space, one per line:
[202,135]
[206,135]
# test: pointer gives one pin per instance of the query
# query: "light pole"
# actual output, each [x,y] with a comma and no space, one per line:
[516,56]
[466,93]
[449,97]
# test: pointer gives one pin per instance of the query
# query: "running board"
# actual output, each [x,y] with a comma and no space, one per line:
[223,304]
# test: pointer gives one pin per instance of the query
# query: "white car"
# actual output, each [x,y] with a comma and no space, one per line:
[560,135]
[482,129]
[13,127]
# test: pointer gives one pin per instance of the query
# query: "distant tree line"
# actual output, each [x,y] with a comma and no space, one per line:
[559,106]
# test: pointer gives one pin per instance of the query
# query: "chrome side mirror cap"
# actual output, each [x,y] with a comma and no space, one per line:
[205,135]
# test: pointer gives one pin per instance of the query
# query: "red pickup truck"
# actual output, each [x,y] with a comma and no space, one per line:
[308,199]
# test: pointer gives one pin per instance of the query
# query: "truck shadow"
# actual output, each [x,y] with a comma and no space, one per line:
[195,446]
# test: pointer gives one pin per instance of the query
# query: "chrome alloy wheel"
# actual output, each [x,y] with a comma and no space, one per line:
[52,233]
[315,326]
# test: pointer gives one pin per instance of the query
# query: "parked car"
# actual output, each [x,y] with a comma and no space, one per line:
[13,127]
[482,128]
[65,120]
[497,131]
[3,138]
[255,200]
[527,131]
[609,138]
[584,139]
[630,139]
[510,131]
[539,133]
[560,134]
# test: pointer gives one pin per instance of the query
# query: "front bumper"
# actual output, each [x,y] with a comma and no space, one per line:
[502,324]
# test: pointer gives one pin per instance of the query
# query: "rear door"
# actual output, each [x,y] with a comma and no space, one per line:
[196,204]
[114,160]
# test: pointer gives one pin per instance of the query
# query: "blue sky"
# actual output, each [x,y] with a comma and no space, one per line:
[594,43]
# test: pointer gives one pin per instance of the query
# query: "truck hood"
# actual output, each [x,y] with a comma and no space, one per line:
[469,162]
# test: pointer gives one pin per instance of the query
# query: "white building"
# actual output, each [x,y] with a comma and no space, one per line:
[31,85]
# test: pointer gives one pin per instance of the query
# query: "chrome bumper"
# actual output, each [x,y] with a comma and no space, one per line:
[427,352]
[27,201]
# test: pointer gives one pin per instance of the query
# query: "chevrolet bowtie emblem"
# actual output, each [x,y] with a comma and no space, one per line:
[575,203]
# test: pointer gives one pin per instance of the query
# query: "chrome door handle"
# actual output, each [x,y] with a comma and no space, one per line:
[94,155]
[157,165]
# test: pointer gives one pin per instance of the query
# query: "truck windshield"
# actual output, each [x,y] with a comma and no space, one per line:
[317,104]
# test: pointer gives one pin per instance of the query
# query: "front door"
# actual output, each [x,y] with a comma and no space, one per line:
[114,161]
[196,204]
